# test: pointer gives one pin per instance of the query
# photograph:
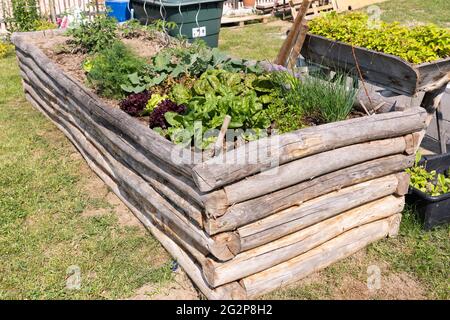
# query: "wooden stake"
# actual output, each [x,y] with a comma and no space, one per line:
[218,146]
[286,49]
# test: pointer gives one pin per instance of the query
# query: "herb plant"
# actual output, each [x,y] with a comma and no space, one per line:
[416,45]
[311,99]
[109,70]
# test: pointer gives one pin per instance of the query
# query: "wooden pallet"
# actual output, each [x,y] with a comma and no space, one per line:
[243,19]
[314,10]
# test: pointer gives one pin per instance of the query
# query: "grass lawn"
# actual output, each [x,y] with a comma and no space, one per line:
[55,213]
[254,41]
[411,12]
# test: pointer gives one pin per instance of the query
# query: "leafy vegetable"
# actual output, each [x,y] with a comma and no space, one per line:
[157,117]
[217,93]
[416,45]
[135,103]
[190,60]
[428,182]
[153,102]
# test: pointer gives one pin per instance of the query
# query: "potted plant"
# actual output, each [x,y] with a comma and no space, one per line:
[430,189]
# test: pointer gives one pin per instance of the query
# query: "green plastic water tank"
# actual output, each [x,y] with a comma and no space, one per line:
[194,18]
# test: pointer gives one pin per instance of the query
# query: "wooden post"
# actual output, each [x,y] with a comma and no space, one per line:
[286,49]
[298,44]
[51,4]
[430,103]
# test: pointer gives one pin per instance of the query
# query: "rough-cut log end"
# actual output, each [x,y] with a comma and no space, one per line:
[208,269]
[226,246]
[403,184]
[203,179]
[215,203]
[394,225]
[230,291]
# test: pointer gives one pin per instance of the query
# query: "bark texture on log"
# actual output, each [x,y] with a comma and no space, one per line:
[263,154]
[101,167]
[317,258]
[311,212]
[310,167]
[261,207]
[278,251]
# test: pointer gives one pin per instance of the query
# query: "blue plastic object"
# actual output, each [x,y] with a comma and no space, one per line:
[118,9]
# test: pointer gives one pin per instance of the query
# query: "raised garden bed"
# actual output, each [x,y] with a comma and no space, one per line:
[384,70]
[245,227]
[402,59]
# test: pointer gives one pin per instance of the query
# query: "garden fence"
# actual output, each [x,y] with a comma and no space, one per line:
[51,9]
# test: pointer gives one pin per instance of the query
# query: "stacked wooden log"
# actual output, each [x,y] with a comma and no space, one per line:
[240,228]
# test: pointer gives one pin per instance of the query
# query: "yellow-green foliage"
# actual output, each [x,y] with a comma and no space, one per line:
[42,24]
[416,45]
[5,49]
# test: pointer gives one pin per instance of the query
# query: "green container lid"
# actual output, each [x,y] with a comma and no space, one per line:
[188,15]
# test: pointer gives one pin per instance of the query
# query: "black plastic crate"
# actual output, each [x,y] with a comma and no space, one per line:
[432,210]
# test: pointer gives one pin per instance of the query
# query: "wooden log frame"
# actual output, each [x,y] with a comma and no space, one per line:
[283,249]
[291,146]
[339,178]
[318,258]
[218,246]
[261,207]
[146,214]
[313,166]
[34,78]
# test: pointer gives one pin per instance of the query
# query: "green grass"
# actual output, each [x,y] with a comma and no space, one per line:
[414,265]
[411,12]
[42,229]
[426,255]
[254,41]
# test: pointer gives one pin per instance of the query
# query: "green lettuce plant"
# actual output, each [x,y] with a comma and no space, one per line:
[429,182]
[217,93]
